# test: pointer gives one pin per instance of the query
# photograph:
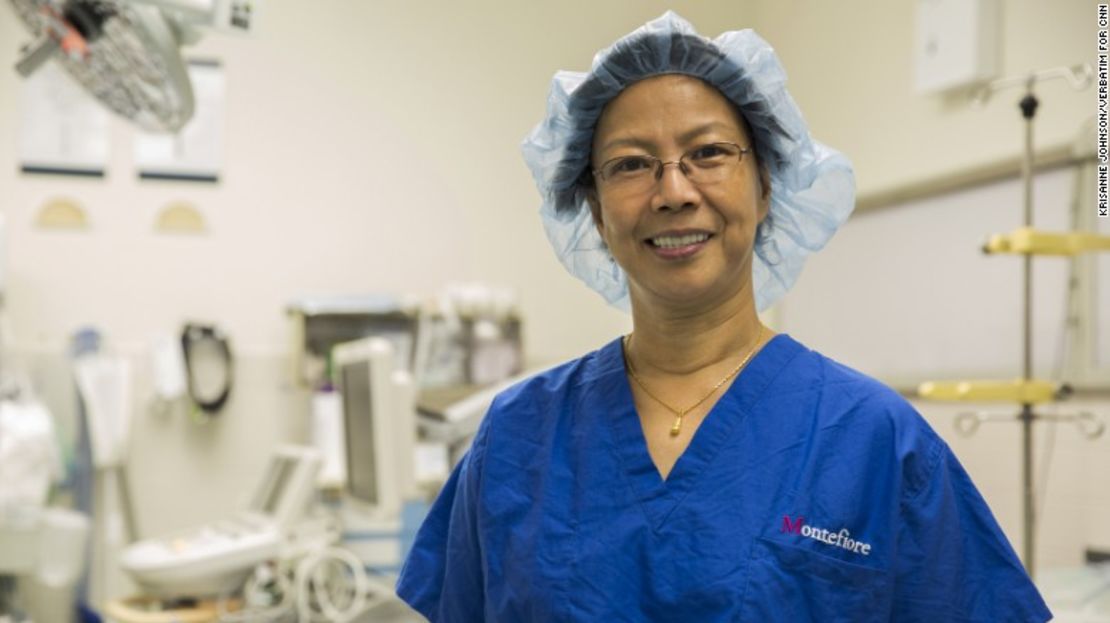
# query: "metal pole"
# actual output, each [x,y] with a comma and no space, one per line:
[1028,110]
[1080,77]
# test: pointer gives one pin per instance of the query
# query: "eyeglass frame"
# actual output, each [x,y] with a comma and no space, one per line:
[658,174]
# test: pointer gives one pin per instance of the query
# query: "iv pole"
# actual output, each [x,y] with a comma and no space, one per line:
[1028,107]
[1027,242]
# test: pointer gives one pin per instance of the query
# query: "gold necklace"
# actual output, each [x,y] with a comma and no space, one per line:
[676,428]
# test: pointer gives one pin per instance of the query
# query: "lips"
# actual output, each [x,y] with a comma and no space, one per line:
[672,242]
[678,244]
[673,237]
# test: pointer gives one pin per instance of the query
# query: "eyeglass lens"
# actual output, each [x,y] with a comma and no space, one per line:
[704,164]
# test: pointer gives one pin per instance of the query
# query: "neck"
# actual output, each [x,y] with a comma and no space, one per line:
[681,341]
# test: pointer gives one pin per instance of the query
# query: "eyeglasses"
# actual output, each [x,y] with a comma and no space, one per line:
[704,164]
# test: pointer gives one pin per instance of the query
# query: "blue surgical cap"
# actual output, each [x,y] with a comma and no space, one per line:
[812,186]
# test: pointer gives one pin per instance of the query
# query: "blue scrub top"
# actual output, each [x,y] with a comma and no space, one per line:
[810,492]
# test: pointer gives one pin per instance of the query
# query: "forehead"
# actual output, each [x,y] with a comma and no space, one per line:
[663,107]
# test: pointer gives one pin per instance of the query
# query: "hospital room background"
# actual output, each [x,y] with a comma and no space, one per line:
[350,184]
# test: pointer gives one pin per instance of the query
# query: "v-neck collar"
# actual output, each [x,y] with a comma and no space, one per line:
[659,497]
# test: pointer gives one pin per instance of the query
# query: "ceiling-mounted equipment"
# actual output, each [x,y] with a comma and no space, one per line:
[126,53]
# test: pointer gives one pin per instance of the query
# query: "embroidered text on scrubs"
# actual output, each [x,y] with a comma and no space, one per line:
[841,539]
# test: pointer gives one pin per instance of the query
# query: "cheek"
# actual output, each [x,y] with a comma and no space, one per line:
[738,205]
[617,223]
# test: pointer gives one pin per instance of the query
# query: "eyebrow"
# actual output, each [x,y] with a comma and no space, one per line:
[682,138]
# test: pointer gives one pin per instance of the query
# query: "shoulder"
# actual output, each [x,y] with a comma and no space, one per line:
[876,412]
[845,388]
[850,388]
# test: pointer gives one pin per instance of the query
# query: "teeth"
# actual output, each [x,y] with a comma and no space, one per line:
[671,242]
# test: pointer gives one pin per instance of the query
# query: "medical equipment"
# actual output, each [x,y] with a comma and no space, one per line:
[379,439]
[327,584]
[1028,243]
[452,417]
[813,185]
[104,385]
[29,457]
[125,53]
[44,548]
[101,479]
[319,323]
[167,365]
[215,559]
[326,434]
[472,336]
[377,398]
[1078,595]
[379,429]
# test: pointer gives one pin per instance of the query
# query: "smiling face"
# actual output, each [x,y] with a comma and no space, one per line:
[682,244]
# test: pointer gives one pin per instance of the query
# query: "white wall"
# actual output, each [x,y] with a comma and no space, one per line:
[328,107]
[850,65]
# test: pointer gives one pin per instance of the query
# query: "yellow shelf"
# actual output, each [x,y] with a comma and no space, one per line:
[1019,391]
[1029,241]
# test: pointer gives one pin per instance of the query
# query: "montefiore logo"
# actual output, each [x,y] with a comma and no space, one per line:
[841,539]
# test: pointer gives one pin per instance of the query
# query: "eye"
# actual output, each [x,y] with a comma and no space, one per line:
[627,165]
[712,152]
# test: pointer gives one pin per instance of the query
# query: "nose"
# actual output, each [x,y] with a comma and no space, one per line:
[674,191]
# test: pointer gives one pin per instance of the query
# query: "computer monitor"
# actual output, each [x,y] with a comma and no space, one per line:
[287,486]
[379,425]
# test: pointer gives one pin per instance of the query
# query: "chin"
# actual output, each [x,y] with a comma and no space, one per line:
[683,294]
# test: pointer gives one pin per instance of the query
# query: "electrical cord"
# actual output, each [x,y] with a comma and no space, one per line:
[1040,488]
[267,596]
[330,585]
[334,573]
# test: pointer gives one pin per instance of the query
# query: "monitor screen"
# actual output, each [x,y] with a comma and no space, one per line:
[274,484]
[358,422]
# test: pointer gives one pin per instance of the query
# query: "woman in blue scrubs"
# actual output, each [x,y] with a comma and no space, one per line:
[702,468]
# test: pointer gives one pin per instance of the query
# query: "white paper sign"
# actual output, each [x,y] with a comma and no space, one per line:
[63,129]
[194,153]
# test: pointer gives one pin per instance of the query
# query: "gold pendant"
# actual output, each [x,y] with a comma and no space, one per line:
[677,427]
